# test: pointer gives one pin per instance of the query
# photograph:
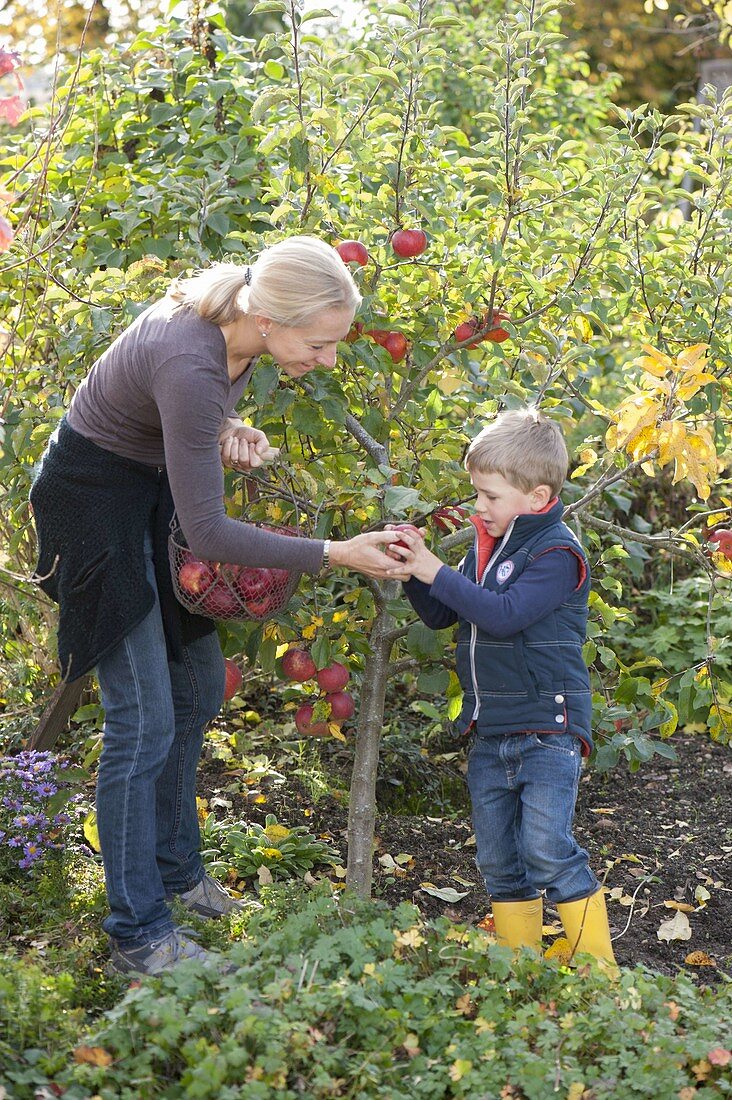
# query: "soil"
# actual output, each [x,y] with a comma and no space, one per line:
[662,837]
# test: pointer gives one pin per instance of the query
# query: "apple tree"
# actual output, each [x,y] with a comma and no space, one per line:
[547,259]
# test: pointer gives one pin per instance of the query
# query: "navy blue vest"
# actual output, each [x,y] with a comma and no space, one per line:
[536,680]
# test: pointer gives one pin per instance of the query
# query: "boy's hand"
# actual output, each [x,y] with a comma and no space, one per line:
[417,560]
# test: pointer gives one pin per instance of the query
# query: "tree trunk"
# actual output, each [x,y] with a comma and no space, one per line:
[362,807]
[60,707]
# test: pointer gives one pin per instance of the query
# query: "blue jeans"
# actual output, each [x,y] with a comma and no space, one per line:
[523,789]
[156,711]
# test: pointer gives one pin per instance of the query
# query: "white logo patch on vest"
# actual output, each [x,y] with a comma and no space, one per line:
[504,571]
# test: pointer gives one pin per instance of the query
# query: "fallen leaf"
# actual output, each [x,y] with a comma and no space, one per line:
[561,949]
[681,906]
[487,924]
[387,862]
[465,1005]
[702,896]
[446,893]
[677,928]
[673,1010]
[265,876]
[699,958]
[719,1056]
[93,1056]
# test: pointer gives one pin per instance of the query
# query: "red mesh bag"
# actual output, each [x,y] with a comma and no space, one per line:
[217,590]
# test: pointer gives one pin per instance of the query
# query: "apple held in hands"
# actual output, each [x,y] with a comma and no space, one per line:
[400,542]
[409,242]
[353,252]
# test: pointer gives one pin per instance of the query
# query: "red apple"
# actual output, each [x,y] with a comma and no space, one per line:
[260,608]
[195,577]
[305,725]
[233,679]
[378,335]
[409,242]
[495,335]
[342,705]
[253,584]
[448,519]
[400,542]
[221,601]
[720,542]
[353,252]
[396,344]
[333,678]
[297,664]
[465,330]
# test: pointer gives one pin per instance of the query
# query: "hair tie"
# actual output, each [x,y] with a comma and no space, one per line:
[248,276]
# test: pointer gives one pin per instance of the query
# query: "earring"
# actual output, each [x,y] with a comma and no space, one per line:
[264,334]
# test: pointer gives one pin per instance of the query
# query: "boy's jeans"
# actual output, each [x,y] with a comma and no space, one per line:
[156,712]
[523,789]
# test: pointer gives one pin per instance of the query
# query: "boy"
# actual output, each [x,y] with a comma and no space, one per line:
[520,600]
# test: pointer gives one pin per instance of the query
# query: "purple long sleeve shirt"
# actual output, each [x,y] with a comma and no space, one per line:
[160,395]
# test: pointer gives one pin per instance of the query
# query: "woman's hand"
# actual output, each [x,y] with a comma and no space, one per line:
[244,448]
[364,554]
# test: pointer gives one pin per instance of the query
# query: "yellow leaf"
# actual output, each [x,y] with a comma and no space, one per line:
[671,439]
[661,362]
[688,359]
[576,1090]
[636,413]
[449,382]
[561,950]
[667,728]
[91,832]
[693,384]
[459,1068]
[92,1056]
[699,958]
[411,937]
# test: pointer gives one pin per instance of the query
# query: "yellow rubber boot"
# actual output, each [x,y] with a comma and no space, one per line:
[586,926]
[518,923]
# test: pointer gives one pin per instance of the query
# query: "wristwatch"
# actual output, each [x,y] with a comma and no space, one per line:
[326,557]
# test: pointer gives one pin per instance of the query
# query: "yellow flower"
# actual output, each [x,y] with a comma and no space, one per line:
[276,832]
[272,853]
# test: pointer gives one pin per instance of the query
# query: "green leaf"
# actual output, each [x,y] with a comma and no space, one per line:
[274,69]
[317,13]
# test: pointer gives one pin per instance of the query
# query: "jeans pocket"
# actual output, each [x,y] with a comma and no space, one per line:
[565,743]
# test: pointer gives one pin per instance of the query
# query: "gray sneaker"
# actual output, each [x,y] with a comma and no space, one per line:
[158,955]
[210,899]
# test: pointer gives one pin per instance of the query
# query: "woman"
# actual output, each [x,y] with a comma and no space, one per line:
[146,433]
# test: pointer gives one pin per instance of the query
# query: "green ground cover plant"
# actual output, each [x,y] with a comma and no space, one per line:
[343,998]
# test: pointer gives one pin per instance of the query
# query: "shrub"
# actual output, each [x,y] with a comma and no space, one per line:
[351,999]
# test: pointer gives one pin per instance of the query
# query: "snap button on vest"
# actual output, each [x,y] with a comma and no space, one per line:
[559,718]
[558,698]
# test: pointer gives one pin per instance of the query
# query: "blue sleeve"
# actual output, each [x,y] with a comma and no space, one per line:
[545,584]
[432,612]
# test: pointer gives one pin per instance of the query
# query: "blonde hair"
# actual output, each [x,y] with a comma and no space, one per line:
[522,446]
[289,282]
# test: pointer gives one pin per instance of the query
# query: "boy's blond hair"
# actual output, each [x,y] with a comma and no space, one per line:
[522,446]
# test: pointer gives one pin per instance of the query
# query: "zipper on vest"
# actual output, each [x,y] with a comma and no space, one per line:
[473,627]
